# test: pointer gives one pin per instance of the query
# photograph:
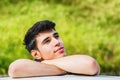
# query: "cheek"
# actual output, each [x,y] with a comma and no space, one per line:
[61,42]
[47,53]
[46,49]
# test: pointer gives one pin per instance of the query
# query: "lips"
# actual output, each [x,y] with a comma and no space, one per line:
[61,49]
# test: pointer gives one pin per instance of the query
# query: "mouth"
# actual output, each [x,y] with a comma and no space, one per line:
[60,50]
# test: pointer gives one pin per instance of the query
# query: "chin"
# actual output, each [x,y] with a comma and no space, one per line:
[62,55]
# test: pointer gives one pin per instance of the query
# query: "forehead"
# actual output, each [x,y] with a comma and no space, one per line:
[42,35]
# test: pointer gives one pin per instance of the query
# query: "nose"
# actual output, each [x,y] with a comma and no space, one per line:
[56,42]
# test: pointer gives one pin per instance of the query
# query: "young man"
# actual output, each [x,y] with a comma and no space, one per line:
[45,45]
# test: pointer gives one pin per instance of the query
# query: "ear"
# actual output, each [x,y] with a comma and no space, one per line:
[35,54]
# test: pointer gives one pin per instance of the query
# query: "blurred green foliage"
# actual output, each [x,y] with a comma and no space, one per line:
[89,27]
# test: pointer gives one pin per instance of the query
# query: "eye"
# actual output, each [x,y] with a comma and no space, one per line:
[47,41]
[56,36]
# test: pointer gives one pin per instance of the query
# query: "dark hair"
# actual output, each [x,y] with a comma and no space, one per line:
[41,26]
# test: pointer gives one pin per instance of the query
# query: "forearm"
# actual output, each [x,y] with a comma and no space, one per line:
[28,68]
[79,64]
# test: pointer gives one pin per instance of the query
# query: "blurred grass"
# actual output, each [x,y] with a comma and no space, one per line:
[89,27]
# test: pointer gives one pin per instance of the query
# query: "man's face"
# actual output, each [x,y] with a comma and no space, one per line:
[50,45]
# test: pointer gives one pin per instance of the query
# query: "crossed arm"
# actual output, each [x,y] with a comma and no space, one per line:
[29,68]
[78,64]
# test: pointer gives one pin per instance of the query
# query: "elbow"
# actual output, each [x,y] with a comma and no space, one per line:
[12,70]
[15,68]
[94,67]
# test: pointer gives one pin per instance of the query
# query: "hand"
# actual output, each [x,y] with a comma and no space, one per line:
[47,61]
[51,62]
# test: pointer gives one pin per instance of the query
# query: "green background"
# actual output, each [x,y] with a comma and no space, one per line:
[90,27]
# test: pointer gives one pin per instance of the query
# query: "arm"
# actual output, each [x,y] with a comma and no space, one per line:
[28,68]
[79,64]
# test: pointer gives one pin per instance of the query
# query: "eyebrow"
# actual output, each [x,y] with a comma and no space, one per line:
[56,33]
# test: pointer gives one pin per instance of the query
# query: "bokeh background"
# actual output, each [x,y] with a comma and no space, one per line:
[90,27]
